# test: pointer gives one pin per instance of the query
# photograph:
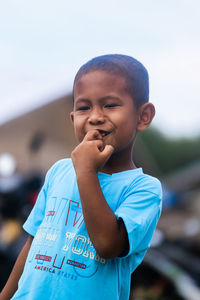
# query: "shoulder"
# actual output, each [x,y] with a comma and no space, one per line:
[149,183]
[145,183]
[62,165]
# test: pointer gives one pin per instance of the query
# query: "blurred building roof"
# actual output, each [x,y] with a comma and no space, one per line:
[40,137]
[185,179]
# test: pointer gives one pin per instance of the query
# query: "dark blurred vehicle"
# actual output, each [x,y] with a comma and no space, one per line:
[17,197]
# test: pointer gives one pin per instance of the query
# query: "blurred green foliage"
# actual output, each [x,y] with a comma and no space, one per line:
[160,155]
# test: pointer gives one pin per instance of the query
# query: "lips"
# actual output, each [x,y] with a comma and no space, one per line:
[103,132]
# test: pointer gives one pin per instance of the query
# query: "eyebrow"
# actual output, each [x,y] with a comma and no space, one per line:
[81,100]
[109,97]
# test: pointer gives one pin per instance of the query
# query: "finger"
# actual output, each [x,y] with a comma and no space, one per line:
[94,143]
[107,151]
[92,135]
[99,144]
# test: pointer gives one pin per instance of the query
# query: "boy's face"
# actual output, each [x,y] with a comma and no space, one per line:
[102,103]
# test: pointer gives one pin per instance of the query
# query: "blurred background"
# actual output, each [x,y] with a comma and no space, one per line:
[42,45]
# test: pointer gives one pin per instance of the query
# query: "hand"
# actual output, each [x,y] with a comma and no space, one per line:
[91,154]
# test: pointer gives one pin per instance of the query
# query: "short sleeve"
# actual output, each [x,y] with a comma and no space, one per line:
[140,211]
[37,214]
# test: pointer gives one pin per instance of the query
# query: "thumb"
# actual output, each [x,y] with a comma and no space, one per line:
[108,150]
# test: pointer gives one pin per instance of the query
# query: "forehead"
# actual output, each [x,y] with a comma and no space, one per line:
[100,81]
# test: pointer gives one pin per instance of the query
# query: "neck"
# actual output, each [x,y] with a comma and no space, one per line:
[118,162]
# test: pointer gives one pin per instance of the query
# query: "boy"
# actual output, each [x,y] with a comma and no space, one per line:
[96,214]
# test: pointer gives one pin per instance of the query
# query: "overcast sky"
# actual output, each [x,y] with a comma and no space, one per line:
[43,43]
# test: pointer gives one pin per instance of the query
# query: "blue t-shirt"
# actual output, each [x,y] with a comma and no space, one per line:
[62,262]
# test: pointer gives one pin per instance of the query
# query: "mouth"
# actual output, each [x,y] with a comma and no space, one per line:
[103,133]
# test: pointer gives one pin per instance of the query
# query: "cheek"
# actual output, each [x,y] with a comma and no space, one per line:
[78,122]
[79,130]
[126,124]
[127,129]
[77,127]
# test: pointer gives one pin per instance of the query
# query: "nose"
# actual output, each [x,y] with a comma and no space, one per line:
[96,116]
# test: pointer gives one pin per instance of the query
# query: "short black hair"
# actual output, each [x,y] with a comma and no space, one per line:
[125,66]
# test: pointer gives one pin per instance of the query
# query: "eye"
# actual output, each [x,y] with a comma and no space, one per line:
[82,108]
[111,105]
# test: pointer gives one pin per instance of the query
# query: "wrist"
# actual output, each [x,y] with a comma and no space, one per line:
[86,174]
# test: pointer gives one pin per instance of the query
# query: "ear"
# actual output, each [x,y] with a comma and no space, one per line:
[146,113]
[72,117]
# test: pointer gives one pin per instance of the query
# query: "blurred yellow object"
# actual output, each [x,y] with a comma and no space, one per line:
[10,231]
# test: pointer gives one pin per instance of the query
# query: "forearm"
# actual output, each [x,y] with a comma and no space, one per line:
[12,283]
[107,234]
